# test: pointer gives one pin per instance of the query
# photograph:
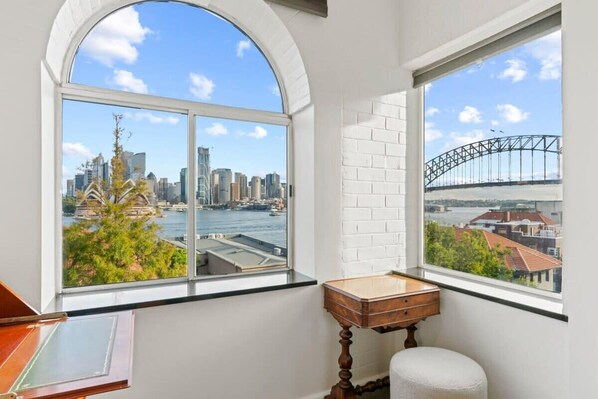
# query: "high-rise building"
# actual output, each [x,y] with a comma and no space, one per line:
[225,178]
[136,167]
[242,180]
[97,167]
[152,183]
[126,160]
[163,188]
[273,185]
[256,187]
[184,182]
[106,172]
[87,177]
[203,176]
[214,184]
[70,187]
[235,194]
[79,182]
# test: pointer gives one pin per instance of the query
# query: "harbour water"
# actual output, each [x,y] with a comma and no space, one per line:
[257,224]
[456,216]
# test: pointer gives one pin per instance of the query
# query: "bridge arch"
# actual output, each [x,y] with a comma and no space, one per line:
[449,161]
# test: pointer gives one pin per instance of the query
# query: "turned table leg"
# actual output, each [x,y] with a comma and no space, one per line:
[344,388]
[410,342]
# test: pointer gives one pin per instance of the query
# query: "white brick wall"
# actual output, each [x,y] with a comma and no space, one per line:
[374,144]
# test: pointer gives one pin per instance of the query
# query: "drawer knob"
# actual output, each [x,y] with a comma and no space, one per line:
[405,312]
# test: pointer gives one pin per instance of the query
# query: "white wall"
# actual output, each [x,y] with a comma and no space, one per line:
[273,345]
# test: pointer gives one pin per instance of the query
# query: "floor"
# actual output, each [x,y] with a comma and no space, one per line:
[381,394]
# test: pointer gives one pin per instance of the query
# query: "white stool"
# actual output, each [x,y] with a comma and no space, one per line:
[436,373]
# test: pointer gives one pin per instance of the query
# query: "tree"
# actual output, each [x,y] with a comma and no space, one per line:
[116,246]
[469,252]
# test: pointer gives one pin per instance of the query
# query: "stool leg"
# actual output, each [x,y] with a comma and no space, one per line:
[410,342]
[344,388]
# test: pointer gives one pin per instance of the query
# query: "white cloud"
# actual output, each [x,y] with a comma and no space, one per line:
[128,82]
[427,87]
[152,118]
[217,129]
[494,122]
[431,133]
[516,71]
[458,139]
[257,133]
[115,37]
[547,51]
[242,47]
[432,111]
[470,115]
[511,113]
[76,150]
[201,86]
[275,90]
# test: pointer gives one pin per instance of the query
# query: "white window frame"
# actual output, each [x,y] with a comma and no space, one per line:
[91,94]
[492,287]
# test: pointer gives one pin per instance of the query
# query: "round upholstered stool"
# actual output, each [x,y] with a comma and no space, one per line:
[435,373]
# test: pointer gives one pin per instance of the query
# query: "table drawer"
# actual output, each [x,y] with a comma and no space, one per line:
[400,316]
[387,305]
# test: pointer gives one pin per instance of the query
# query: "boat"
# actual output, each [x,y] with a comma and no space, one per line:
[274,213]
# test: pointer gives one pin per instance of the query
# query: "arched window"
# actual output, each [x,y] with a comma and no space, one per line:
[171,108]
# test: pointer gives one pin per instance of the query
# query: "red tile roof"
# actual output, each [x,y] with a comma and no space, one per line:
[522,258]
[518,216]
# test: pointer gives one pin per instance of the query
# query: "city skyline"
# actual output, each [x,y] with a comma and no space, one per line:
[214,186]
[225,67]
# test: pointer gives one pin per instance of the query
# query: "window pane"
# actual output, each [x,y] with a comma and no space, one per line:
[177,50]
[493,176]
[242,197]
[117,194]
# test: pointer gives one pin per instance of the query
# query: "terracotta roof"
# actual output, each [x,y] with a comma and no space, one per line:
[522,258]
[501,216]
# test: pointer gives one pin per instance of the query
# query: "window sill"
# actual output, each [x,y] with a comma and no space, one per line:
[541,304]
[118,299]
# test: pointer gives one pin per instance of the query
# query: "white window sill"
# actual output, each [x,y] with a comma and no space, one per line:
[130,298]
[532,300]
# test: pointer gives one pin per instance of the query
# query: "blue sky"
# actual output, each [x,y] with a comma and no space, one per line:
[518,92]
[174,50]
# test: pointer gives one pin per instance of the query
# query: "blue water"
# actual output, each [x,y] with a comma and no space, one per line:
[257,224]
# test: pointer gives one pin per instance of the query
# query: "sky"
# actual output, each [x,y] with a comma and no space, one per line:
[179,51]
[517,92]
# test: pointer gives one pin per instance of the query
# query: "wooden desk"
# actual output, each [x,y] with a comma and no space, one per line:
[66,359]
[383,303]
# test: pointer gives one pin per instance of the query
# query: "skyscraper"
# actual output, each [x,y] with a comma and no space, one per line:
[70,188]
[79,181]
[163,188]
[184,186]
[242,180]
[225,178]
[137,166]
[203,176]
[126,160]
[214,183]
[256,187]
[235,192]
[273,185]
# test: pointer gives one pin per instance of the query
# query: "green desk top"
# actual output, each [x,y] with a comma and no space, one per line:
[76,350]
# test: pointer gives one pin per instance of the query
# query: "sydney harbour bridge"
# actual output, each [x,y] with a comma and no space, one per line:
[499,161]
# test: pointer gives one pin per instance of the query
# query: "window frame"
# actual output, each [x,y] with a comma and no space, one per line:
[192,110]
[419,103]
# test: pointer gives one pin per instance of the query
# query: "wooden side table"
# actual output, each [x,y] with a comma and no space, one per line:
[383,303]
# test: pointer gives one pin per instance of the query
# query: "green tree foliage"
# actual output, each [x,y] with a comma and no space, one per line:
[469,252]
[117,247]
[68,205]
